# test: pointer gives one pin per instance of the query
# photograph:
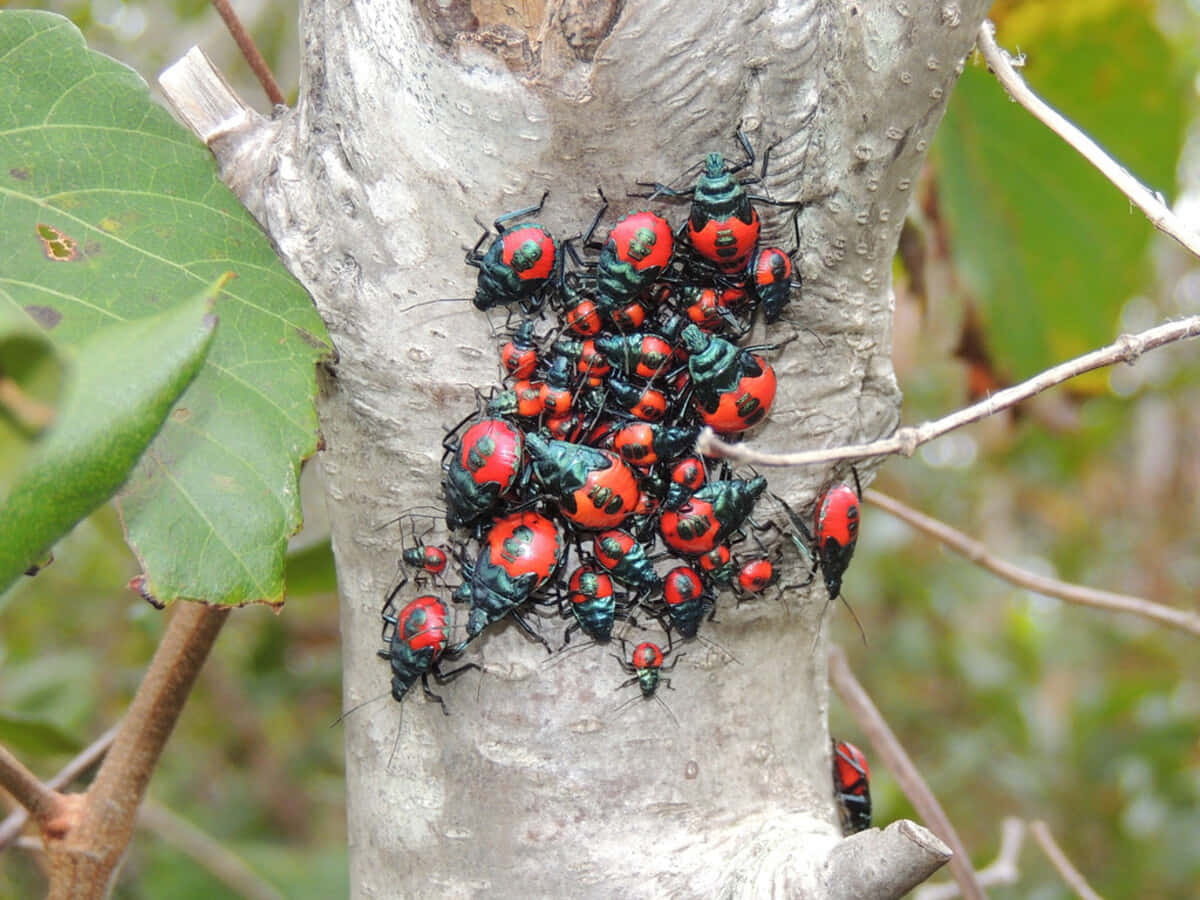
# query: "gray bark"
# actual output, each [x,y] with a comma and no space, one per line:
[411,120]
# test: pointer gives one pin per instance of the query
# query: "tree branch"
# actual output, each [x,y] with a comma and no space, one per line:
[11,827]
[1149,202]
[1074,880]
[901,766]
[977,553]
[249,49]
[46,805]
[83,859]
[1127,348]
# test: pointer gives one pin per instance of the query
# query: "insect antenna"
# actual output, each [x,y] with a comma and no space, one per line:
[356,708]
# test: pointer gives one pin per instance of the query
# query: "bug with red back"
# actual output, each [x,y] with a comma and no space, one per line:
[833,538]
[520,265]
[417,638]
[851,787]
[646,666]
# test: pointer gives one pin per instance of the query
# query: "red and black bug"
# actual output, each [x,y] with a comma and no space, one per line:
[518,266]
[593,488]
[624,557]
[733,388]
[521,553]
[480,467]
[851,787]
[646,666]
[520,355]
[769,276]
[645,443]
[646,403]
[593,602]
[713,513]
[688,601]
[636,253]
[427,557]
[835,532]
[417,638]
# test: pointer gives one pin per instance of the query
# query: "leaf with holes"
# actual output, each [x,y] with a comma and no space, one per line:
[112,212]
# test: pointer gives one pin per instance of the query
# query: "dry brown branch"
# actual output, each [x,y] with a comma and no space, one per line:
[1127,348]
[902,768]
[1069,873]
[1149,202]
[977,553]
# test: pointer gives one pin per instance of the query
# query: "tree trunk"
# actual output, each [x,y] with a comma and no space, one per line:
[411,120]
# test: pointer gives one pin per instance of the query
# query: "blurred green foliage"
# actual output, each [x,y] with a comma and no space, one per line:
[1010,703]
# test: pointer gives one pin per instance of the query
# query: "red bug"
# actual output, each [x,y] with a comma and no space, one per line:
[852,787]
[518,265]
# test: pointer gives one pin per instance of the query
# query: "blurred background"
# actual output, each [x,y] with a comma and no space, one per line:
[1018,257]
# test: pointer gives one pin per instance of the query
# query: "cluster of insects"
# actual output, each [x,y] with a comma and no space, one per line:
[573,489]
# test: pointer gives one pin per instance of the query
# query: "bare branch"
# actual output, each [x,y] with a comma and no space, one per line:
[1127,348]
[977,553]
[11,827]
[1069,873]
[1149,202]
[44,804]
[246,44]
[901,766]
[1002,870]
[221,862]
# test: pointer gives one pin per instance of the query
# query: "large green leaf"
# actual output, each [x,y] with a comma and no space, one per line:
[1050,248]
[124,380]
[111,212]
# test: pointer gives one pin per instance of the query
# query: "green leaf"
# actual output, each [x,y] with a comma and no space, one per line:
[111,212]
[1048,246]
[124,381]
[35,736]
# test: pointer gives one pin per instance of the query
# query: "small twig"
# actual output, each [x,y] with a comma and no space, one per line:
[1127,348]
[902,768]
[11,827]
[43,803]
[1147,201]
[221,862]
[1069,873]
[1050,587]
[1002,870]
[245,43]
